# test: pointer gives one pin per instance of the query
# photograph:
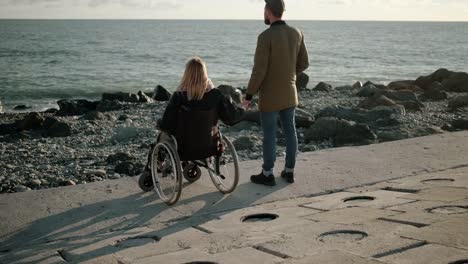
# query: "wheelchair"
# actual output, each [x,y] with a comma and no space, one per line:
[197,144]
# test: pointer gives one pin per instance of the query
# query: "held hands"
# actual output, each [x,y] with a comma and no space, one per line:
[246,104]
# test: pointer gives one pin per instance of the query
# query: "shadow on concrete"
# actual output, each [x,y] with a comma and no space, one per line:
[55,233]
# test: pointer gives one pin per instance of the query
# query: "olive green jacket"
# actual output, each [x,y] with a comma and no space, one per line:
[281,54]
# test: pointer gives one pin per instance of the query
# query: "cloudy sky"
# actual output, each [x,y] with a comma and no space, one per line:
[406,10]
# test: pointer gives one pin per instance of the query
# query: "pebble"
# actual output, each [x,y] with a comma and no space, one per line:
[35,182]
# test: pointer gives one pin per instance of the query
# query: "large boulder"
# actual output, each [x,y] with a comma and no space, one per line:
[122,97]
[107,106]
[302,80]
[457,82]
[129,168]
[458,102]
[99,116]
[405,85]
[161,94]
[460,124]
[342,132]
[435,92]
[233,94]
[438,76]
[378,117]
[357,85]
[75,107]
[59,129]
[323,87]
[368,90]
[143,98]
[375,101]
[31,121]
[401,95]
[246,143]
[412,106]
[7,129]
[120,157]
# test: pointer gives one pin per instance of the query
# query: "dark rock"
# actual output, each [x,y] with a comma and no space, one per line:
[59,129]
[7,129]
[49,122]
[120,157]
[51,111]
[377,117]
[121,97]
[435,92]
[342,132]
[412,106]
[458,102]
[302,80]
[131,98]
[233,94]
[75,107]
[129,168]
[393,135]
[405,85]
[457,82]
[438,76]
[31,121]
[379,86]
[107,106]
[98,116]
[323,87]
[344,88]
[357,85]
[161,94]
[368,90]
[21,107]
[374,101]
[144,98]
[460,124]
[399,96]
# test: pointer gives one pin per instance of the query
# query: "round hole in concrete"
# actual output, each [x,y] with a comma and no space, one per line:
[359,199]
[259,218]
[438,180]
[464,261]
[342,236]
[449,209]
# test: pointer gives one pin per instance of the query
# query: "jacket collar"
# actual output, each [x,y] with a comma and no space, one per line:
[277,23]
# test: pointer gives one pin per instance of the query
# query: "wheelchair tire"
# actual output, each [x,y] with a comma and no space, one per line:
[146,182]
[166,168]
[230,168]
[192,172]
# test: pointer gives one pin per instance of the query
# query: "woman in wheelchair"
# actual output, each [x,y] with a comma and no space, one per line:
[190,136]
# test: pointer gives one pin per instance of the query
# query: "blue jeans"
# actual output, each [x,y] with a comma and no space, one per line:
[269,126]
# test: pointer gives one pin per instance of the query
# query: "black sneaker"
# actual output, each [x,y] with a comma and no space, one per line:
[263,180]
[288,176]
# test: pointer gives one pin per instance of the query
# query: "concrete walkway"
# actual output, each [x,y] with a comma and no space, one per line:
[398,202]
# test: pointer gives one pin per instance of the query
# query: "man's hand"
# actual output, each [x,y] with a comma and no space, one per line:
[246,104]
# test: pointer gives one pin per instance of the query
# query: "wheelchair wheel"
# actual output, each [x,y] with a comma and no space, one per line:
[192,172]
[146,182]
[224,170]
[166,172]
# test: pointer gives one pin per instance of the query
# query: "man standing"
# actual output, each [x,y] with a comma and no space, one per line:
[281,54]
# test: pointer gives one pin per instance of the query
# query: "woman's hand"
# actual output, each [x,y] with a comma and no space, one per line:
[246,104]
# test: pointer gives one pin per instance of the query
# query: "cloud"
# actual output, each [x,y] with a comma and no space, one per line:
[140,4]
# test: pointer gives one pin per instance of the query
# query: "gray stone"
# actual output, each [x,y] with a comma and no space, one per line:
[75,107]
[405,85]
[245,143]
[302,80]
[368,90]
[435,92]
[99,173]
[143,98]
[59,129]
[400,96]
[379,116]
[161,94]
[129,168]
[458,102]
[460,124]
[98,116]
[106,106]
[31,121]
[457,82]
[22,188]
[323,87]
[341,131]
[374,101]
[120,157]
[35,182]
[357,85]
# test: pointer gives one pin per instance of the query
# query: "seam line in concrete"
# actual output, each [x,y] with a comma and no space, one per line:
[204,230]
[400,250]
[418,225]
[271,252]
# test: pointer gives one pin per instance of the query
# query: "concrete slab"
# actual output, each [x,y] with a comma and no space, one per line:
[334,257]
[380,199]
[351,215]
[41,256]
[243,255]
[283,217]
[317,238]
[452,233]
[429,212]
[443,194]
[428,254]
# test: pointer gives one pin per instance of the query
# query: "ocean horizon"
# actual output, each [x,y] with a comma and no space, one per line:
[44,60]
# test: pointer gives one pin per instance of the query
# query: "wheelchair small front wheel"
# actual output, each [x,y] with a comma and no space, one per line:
[192,172]
[224,169]
[166,173]
[146,182]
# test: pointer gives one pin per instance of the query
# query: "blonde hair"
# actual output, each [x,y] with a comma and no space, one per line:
[195,79]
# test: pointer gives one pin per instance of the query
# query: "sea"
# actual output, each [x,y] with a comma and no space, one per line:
[42,61]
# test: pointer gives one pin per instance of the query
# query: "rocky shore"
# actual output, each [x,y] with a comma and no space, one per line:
[84,141]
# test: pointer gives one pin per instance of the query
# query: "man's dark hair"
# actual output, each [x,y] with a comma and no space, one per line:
[276,10]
